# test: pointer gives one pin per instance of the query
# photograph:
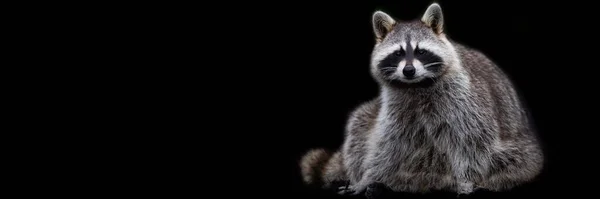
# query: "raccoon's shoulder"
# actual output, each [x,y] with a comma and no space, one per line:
[368,109]
[362,118]
[479,65]
[471,57]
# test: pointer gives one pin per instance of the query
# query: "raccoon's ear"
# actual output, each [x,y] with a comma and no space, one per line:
[434,18]
[382,24]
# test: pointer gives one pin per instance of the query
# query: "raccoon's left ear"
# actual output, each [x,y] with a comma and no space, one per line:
[434,18]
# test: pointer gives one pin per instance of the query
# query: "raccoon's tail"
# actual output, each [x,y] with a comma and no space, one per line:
[321,168]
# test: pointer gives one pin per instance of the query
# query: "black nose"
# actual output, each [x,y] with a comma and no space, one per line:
[409,71]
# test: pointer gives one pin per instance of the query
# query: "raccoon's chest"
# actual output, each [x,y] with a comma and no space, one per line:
[429,128]
[411,149]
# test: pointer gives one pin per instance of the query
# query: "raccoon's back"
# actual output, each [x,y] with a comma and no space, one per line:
[492,87]
[480,67]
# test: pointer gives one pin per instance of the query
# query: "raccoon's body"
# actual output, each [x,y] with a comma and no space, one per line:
[447,118]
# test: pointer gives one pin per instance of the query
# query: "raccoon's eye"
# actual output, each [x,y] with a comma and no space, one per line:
[398,53]
[421,51]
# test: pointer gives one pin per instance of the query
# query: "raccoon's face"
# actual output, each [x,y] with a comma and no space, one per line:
[412,53]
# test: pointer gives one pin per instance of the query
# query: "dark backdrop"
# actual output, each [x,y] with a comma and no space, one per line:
[330,47]
[262,83]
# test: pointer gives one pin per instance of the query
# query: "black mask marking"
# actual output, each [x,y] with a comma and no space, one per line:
[426,58]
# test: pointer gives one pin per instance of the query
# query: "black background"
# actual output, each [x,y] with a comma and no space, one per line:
[252,86]
[332,75]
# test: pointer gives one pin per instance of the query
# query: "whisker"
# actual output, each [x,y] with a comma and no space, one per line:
[388,71]
[431,64]
[432,79]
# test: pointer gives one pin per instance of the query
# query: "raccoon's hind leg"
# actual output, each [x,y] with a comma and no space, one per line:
[322,169]
[512,167]
[358,129]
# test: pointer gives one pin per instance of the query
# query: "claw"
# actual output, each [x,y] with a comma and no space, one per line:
[344,190]
[348,190]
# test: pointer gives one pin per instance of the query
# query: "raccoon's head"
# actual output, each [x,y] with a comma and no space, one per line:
[411,53]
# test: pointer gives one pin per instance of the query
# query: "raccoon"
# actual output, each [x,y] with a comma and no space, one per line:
[446,118]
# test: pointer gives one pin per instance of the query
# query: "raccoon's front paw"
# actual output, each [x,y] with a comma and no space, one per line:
[375,190]
[351,190]
[335,185]
[465,188]
[346,190]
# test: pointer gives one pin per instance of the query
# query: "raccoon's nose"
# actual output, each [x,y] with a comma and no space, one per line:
[408,71]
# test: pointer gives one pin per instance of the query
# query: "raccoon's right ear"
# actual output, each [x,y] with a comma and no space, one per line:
[382,24]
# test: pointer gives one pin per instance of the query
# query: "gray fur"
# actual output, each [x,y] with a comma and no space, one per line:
[382,24]
[468,130]
[322,168]
[434,18]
